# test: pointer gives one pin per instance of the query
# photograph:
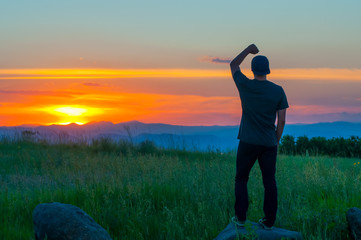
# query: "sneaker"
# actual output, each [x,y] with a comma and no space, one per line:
[237,222]
[264,224]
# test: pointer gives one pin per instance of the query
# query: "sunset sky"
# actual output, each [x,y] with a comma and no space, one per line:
[167,61]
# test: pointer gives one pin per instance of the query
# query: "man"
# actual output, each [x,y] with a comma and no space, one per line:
[262,101]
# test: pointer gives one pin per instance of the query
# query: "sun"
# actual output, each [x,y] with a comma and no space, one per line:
[68,123]
[71,111]
[72,114]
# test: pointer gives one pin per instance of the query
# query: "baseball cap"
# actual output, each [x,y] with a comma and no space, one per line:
[260,65]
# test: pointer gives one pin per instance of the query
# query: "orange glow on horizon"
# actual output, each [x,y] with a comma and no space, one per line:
[148,108]
[195,97]
[115,107]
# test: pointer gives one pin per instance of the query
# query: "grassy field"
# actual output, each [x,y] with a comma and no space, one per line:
[145,193]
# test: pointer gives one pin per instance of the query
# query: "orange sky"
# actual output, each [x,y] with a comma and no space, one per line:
[174,96]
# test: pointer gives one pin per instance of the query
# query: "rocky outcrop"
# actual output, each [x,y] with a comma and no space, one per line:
[253,230]
[58,221]
[353,217]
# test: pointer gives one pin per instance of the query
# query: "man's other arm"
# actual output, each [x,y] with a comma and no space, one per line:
[239,59]
[281,121]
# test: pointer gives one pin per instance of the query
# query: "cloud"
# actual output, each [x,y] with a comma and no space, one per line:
[326,74]
[97,73]
[216,60]
[26,92]
[91,84]
[327,117]
[40,93]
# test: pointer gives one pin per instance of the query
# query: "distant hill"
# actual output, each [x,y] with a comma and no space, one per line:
[328,130]
[171,136]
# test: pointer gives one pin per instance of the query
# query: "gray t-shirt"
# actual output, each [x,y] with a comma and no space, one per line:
[260,102]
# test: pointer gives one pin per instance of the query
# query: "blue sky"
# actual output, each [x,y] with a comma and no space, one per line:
[307,34]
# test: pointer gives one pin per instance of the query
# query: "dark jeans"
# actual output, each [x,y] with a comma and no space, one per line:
[247,155]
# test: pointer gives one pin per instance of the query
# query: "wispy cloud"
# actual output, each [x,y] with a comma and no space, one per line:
[326,117]
[91,84]
[322,109]
[216,60]
[40,93]
[97,73]
[322,113]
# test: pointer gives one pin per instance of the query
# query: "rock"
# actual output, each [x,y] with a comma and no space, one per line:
[353,217]
[58,221]
[253,230]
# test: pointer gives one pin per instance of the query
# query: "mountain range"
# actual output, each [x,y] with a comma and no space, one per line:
[170,136]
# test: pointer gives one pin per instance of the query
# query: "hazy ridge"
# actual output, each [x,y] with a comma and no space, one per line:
[172,136]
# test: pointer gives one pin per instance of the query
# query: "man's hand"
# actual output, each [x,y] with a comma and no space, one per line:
[252,49]
[239,59]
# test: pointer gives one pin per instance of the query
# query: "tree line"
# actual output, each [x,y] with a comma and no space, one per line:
[337,146]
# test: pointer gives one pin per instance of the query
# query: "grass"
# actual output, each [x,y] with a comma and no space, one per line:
[141,192]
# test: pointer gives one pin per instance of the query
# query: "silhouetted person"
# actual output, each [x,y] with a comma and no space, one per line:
[262,101]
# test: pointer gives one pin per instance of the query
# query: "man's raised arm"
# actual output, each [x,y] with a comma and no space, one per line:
[239,59]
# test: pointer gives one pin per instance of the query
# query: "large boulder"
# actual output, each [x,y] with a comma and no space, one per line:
[253,230]
[58,221]
[353,217]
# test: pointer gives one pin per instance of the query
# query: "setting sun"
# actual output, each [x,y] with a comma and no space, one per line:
[68,123]
[65,115]
[71,111]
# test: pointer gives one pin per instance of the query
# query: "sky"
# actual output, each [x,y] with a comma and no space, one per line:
[168,61]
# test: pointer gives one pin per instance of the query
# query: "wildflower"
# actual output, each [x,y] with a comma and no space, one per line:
[354,164]
[358,162]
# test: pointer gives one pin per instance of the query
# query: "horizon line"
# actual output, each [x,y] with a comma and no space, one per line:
[94,122]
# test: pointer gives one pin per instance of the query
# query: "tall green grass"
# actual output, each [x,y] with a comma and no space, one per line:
[141,192]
